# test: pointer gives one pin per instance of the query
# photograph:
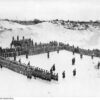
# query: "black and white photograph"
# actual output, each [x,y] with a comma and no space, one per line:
[49,48]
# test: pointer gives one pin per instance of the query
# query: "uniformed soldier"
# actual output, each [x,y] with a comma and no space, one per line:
[1,66]
[73,52]
[14,56]
[57,77]
[26,55]
[81,56]
[74,72]
[73,61]
[48,55]
[53,67]
[98,66]
[92,56]
[63,74]
[29,76]
[17,38]
[19,60]
[51,71]
[28,63]
[58,51]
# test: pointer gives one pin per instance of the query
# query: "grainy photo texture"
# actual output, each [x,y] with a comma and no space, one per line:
[49,48]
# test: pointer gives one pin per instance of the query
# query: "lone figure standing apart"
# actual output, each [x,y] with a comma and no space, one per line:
[74,72]
[73,61]
[63,74]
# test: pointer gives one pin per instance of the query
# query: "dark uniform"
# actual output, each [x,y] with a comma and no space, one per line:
[0,66]
[92,56]
[28,63]
[48,55]
[14,56]
[26,55]
[81,56]
[51,71]
[53,67]
[73,61]
[74,72]
[98,66]
[63,74]
[19,60]
[57,51]
[73,52]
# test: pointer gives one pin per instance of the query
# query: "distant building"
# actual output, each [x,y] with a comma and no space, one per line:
[23,43]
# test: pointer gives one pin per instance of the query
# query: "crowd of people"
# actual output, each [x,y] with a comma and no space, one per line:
[48,47]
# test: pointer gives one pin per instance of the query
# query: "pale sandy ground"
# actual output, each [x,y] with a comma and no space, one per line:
[87,80]
[45,32]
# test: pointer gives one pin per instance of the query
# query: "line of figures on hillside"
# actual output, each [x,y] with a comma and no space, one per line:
[20,45]
[75,50]
[53,68]
[63,73]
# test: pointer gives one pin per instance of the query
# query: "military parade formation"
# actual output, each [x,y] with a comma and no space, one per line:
[28,47]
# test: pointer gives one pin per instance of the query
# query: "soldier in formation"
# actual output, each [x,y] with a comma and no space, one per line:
[92,56]
[26,55]
[19,60]
[74,72]
[58,51]
[73,52]
[53,67]
[81,56]
[28,63]
[1,66]
[98,65]
[14,56]
[73,61]
[29,76]
[63,74]
[48,54]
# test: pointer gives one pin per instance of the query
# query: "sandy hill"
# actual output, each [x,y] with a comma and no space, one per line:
[48,31]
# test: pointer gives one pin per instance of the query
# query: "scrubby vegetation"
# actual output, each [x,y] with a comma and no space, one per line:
[77,25]
[25,22]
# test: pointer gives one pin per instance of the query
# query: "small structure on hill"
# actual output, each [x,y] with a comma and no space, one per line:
[23,43]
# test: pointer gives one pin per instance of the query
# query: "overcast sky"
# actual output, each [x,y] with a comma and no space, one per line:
[50,9]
